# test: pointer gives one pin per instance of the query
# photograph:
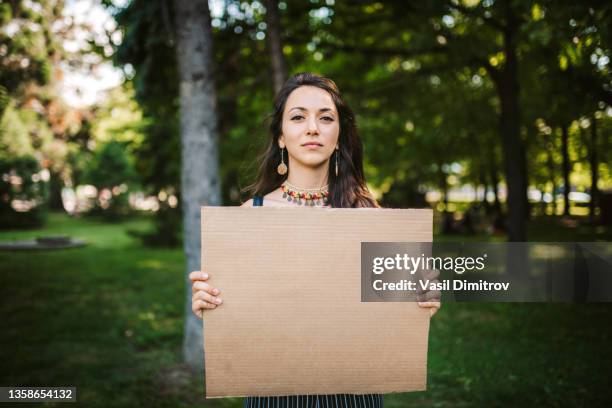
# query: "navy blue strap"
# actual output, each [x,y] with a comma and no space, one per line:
[257,201]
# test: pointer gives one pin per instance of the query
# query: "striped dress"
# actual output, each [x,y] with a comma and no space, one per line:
[313,401]
[316,401]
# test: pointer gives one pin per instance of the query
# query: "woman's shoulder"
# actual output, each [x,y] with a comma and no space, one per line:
[272,199]
[274,195]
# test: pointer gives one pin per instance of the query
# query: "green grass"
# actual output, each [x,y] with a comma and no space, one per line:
[108,318]
[517,355]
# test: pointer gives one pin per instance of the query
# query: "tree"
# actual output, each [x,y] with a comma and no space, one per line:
[21,183]
[275,45]
[28,47]
[32,112]
[111,171]
[200,168]
[448,35]
[593,164]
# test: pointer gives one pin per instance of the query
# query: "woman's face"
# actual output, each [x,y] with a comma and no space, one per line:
[310,127]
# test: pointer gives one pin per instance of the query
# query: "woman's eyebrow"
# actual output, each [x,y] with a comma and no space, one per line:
[306,110]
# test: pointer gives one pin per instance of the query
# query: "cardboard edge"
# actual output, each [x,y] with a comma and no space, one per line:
[205,377]
[270,208]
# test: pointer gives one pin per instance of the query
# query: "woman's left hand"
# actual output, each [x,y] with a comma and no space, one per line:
[431,298]
[433,306]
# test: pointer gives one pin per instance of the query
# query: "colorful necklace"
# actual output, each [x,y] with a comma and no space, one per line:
[311,197]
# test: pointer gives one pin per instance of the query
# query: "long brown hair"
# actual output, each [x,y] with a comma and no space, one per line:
[348,189]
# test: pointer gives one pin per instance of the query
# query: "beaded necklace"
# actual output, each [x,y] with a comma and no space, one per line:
[311,197]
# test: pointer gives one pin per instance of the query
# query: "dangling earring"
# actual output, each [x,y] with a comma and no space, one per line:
[282,167]
[336,162]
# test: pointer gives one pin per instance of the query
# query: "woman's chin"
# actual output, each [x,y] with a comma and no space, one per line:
[313,162]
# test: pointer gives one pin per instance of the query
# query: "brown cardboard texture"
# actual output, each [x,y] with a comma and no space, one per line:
[292,321]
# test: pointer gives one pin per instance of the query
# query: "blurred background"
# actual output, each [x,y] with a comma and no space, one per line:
[495,113]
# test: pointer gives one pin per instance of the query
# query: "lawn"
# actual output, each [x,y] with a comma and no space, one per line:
[108,319]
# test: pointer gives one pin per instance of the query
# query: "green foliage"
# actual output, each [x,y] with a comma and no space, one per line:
[422,79]
[26,138]
[25,45]
[111,171]
[23,193]
[148,48]
[14,134]
[34,120]
[119,118]
[23,131]
[110,166]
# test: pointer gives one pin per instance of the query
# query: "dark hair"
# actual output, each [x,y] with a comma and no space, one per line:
[349,188]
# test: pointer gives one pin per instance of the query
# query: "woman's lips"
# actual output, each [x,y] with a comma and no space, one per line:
[312,145]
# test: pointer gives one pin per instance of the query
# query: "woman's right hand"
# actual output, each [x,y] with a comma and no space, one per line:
[204,296]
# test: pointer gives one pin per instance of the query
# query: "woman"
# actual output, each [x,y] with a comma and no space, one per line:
[314,159]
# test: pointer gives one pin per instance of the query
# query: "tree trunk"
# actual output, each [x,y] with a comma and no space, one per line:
[551,172]
[507,84]
[199,150]
[485,188]
[275,45]
[526,175]
[444,187]
[485,203]
[543,204]
[56,184]
[496,202]
[593,162]
[494,182]
[513,148]
[566,169]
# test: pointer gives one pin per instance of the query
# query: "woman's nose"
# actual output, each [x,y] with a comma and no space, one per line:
[313,128]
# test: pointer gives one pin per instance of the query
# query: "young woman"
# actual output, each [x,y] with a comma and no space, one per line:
[314,159]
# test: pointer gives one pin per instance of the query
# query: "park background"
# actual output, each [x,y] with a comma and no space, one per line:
[495,113]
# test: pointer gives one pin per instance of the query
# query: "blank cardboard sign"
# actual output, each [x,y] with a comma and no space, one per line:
[292,321]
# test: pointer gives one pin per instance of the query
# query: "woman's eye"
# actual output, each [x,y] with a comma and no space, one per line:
[328,118]
[297,117]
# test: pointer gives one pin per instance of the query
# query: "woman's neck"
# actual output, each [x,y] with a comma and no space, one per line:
[306,177]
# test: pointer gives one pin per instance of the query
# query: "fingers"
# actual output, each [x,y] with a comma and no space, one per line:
[198,306]
[433,307]
[202,300]
[430,298]
[430,295]
[198,275]
[198,285]
[204,296]
[431,274]
[430,279]
[201,295]
[197,310]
